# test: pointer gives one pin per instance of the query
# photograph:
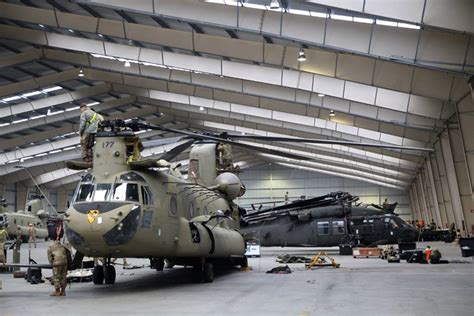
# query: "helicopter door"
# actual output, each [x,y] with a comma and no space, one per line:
[173,216]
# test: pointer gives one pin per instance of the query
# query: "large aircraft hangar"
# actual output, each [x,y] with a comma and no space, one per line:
[276,107]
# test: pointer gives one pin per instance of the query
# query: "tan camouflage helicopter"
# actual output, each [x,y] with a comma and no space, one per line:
[126,206]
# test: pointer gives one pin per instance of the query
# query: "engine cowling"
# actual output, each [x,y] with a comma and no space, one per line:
[229,184]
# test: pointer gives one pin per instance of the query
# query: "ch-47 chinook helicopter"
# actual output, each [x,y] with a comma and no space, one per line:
[329,220]
[18,222]
[126,206]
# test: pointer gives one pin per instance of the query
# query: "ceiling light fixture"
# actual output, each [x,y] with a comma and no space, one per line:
[301,55]
[274,4]
[127,64]
[81,73]
[331,113]
[201,108]
[320,95]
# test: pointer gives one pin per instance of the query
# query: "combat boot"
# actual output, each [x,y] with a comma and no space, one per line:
[55,293]
[63,292]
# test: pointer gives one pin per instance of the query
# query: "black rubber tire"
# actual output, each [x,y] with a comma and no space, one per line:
[244,262]
[208,273]
[98,275]
[109,274]
[160,264]
[197,274]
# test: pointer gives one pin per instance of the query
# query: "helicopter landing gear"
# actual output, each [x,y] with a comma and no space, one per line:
[244,262]
[109,274]
[203,272]
[157,263]
[98,274]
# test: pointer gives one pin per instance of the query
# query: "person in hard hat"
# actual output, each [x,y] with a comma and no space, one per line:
[32,234]
[427,252]
[88,124]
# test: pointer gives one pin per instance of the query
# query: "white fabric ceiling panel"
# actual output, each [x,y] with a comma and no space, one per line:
[392,99]
[220,105]
[390,41]
[444,14]
[291,78]
[117,50]
[417,134]
[319,62]
[392,139]
[368,134]
[304,97]
[419,121]
[264,121]
[328,85]
[252,72]
[364,110]
[356,5]
[355,68]
[269,91]
[273,54]
[336,104]
[180,88]
[194,10]
[207,103]
[159,36]
[365,123]
[391,116]
[271,22]
[192,62]
[79,44]
[282,106]
[228,47]
[393,76]
[222,83]
[319,123]
[142,5]
[18,108]
[331,125]
[27,14]
[360,92]
[347,129]
[413,143]
[171,97]
[392,129]
[460,89]
[425,107]
[315,99]
[250,18]
[79,22]
[350,35]
[151,56]
[156,72]
[432,83]
[294,118]
[303,27]
[145,82]
[112,28]
[442,46]
[406,10]
[250,110]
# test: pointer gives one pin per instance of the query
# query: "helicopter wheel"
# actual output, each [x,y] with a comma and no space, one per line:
[207,274]
[244,262]
[109,274]
[160,264]
[98,275]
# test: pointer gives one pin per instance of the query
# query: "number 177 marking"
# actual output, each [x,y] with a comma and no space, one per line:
[107,144]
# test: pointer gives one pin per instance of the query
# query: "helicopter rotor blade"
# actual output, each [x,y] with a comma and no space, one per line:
[169,155]
[325,141]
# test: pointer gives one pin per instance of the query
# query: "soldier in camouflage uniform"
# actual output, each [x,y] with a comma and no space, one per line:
[57,256]
[3,239]
[89,122]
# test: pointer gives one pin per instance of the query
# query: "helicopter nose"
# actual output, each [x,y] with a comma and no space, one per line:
[409,235]
[124,231]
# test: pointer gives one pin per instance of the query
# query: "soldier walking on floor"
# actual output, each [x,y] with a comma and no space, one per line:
[3,239]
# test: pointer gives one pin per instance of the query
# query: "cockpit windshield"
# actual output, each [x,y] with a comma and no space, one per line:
[124,189]
[125,192]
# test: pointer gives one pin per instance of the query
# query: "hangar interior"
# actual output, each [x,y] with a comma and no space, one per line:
[381,72]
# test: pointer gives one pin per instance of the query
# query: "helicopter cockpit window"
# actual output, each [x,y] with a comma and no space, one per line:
[125,192]
[338,228]
[323,228]
[85,192]
[147,198]
[132,176]
[102,191]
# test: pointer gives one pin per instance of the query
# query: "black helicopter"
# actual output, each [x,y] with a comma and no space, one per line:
[328,220]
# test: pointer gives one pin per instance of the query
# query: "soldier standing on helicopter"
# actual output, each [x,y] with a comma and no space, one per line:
[89,122]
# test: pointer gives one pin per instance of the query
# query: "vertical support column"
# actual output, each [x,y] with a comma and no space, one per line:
[416,195]
[414,214]
[21,195]
[452,181]
[424,207]
[444,183]
[439,191]
[465,112]
[434,196]
[427,193]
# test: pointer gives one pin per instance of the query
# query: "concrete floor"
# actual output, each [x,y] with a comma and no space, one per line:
[358,287]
